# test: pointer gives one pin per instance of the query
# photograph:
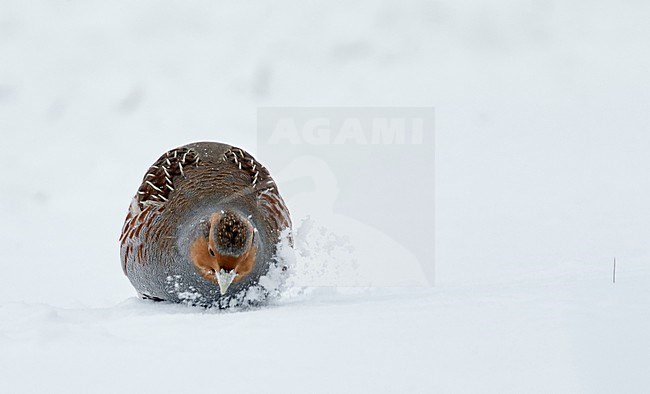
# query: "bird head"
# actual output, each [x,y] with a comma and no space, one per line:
[225,253]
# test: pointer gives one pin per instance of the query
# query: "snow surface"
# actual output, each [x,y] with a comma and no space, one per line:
[542,179]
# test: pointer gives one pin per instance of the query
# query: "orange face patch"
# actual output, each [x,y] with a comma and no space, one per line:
[207,264]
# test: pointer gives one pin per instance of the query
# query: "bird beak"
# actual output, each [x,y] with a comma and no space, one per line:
[225,278]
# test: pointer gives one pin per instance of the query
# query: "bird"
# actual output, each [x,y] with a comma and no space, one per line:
[205,227]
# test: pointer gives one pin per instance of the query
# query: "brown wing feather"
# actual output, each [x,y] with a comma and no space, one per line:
[158,182]
[263,184]
[131,241]
[150,199]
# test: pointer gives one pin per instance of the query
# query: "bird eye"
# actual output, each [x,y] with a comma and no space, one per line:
[211,252]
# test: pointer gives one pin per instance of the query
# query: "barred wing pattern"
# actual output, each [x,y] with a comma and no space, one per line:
[150,201]
[264,186]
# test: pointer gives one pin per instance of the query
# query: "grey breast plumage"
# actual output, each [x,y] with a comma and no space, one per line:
[172,207]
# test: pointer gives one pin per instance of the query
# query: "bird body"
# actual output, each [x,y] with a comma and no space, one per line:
[204,227]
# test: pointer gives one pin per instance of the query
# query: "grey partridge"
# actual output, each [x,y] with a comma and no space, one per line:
[204,227]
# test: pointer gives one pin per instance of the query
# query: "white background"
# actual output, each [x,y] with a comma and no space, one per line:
[542,179]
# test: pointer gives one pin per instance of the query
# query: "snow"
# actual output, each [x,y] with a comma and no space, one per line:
[541,181]
[558,335]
